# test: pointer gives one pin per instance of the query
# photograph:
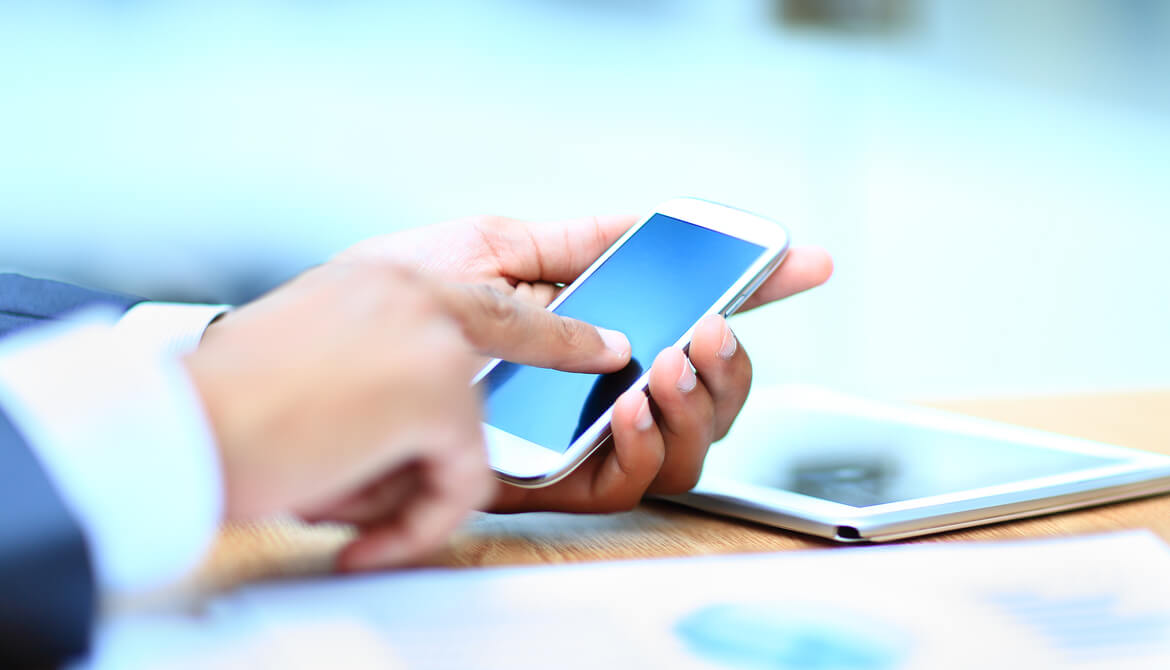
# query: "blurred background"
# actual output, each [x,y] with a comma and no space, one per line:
[991,177]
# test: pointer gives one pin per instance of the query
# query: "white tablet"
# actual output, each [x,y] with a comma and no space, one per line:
[855,470]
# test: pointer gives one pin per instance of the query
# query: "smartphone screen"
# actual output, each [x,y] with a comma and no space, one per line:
[653,288]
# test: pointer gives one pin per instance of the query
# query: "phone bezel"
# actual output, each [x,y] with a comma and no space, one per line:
[527,464]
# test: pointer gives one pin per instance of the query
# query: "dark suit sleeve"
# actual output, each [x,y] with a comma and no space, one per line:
[47,592]
[26,302]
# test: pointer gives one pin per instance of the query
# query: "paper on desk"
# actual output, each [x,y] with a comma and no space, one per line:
[1089,602]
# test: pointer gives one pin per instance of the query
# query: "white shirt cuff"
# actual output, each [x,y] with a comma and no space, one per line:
[121,433]
[168,328]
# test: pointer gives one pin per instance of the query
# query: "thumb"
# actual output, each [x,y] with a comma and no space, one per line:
[504,327]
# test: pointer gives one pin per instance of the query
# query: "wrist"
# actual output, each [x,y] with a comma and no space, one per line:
[218,409]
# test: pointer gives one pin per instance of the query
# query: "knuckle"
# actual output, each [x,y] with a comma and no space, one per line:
[494,305]
[575,334]
[493,227]
[392,273]
[396,291]
[400,271]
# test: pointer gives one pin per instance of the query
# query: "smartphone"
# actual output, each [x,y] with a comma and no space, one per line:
[687,259]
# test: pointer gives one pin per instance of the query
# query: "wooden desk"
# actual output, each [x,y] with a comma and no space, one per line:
[1139,419]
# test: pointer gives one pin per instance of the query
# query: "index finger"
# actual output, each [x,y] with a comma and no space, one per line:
[514,330]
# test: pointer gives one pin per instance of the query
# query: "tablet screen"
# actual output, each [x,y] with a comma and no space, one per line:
[862,461]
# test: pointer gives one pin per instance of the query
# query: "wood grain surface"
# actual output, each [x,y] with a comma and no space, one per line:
[286,548]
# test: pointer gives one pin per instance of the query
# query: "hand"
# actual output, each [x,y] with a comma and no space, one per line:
[658,444]
[345,395]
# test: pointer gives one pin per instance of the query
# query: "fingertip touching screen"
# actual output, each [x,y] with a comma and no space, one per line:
[653,289]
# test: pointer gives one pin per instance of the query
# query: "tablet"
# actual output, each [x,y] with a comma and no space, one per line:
[855,470]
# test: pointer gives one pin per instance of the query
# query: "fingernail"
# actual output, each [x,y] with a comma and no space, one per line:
[615,341]
[728,346]
[687,380]
[643,420]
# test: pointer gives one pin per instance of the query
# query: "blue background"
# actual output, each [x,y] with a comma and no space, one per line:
[991,177]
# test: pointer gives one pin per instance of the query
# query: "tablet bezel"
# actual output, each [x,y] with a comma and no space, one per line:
[1140,473]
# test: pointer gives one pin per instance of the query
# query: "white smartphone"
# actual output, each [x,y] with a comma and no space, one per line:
[687,259]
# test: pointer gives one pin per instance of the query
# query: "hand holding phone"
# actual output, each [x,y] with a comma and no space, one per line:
[534,261]
[688,260]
